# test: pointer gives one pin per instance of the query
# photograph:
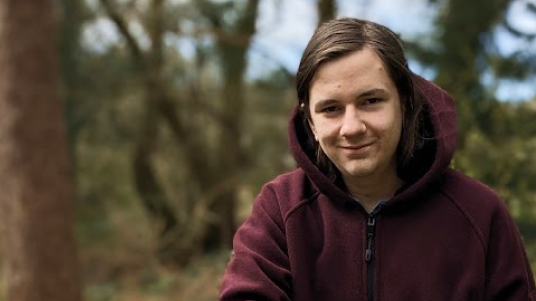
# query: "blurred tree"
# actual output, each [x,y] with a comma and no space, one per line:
[85,93]
[209,135]
[36,193]
[327,10]
[72,15]
[463,31]
[232,44]
[496,140]
[464,50]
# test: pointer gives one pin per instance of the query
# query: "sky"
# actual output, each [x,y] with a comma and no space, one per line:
[284,28]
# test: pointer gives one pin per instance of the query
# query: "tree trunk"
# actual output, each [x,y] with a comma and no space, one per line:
[232,50]
[36,192]
[465,25]
[327,9]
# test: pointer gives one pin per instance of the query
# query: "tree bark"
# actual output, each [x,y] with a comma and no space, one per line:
[327,9]
[36,192]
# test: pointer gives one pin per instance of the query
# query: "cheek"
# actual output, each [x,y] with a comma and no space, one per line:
[325,130]
[395,128]
[391,126]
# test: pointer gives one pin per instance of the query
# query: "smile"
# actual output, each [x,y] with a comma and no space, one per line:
[356,147]
[356,150]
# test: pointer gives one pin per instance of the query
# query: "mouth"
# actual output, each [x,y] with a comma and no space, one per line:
[356,147]
[356,151]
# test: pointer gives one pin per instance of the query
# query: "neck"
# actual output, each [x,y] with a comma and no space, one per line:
[370,190]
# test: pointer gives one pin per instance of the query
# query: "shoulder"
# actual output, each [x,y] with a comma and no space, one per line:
[477,201]
[461,187]
[289,190]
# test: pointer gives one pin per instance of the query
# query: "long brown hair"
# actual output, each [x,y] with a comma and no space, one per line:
[337,38]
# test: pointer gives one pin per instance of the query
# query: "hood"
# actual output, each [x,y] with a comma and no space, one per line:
[431,162]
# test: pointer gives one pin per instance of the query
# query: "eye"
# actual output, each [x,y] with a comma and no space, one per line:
[372,101]
[330,109]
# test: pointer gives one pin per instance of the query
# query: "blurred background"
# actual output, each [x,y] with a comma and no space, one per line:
[176,114]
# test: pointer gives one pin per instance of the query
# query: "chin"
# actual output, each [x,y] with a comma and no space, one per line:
[360,174]
[359,171]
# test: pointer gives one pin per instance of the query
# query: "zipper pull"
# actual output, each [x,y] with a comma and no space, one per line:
[371,224]
[368,252]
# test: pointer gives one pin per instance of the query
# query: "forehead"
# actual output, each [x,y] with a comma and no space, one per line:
[352,73]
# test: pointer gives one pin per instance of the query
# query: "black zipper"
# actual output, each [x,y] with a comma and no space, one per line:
[369,253]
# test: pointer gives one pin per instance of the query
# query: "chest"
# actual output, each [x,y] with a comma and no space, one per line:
[430,255]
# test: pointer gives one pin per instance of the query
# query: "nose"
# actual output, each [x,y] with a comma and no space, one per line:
[352,123]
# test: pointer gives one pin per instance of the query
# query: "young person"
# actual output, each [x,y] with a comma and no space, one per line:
[374,212]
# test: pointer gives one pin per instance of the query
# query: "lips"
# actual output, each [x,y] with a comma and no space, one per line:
[355,147]
[356,151]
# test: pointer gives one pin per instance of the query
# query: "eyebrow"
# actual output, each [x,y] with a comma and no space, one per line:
[324,103]
[366,93]
[371,92]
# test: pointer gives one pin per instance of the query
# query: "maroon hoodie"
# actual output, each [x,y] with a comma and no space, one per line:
[443,237]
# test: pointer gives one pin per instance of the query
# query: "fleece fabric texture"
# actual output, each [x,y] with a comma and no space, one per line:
[444,237]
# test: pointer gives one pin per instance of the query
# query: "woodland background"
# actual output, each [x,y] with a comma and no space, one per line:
[135,134]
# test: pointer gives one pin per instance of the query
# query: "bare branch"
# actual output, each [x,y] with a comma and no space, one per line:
[123,29]
[517,32]
[196,101]
[195,157]
[531,7]
[289,74]
[245,26]
[156,33]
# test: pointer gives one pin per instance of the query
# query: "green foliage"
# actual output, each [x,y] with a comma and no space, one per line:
[464,48]
[506,161]
[101,292]
[160,285]
[509,167]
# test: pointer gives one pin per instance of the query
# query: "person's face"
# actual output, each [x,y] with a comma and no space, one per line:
[356,115]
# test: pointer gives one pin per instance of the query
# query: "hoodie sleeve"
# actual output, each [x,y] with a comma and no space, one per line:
[259,269]
[508,273]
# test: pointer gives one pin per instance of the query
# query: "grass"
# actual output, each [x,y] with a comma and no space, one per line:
[151,282]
